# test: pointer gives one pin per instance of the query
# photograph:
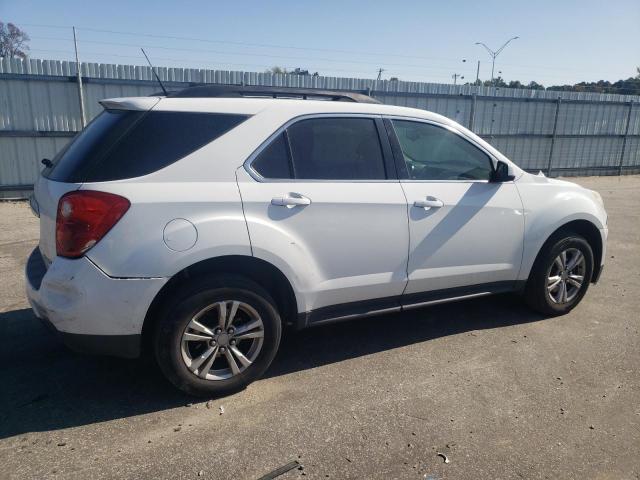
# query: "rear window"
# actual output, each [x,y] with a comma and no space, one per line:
[121,144]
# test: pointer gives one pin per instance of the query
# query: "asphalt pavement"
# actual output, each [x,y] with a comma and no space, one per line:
[498,390]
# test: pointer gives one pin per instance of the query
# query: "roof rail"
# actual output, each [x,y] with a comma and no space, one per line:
[235,91]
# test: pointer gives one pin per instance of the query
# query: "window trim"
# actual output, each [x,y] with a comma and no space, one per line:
[385,147]
[401,165]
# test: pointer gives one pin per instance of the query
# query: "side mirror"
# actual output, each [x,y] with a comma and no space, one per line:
[502,173]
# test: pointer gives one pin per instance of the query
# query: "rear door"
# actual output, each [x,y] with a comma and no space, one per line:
[322,203]
[466,232]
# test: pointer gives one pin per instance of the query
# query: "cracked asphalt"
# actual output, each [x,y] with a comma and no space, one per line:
[500,391]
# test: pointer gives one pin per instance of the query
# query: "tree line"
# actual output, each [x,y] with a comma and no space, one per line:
[630,86]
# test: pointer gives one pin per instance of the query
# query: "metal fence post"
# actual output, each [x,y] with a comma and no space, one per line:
[553,135]
[472,112]
[624,139]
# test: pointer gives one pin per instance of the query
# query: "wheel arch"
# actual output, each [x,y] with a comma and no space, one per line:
[260,271]
[584,228]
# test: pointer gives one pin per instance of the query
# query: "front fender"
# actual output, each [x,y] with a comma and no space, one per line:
[548,206]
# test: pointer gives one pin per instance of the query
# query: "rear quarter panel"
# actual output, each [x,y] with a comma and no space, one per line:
[136,246]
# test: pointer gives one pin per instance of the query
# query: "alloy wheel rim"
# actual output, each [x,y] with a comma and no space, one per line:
[222,340]
[566,276]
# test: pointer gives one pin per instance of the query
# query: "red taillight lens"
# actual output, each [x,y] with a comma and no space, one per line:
[83,218]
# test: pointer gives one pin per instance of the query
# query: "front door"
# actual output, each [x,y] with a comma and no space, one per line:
[466,233]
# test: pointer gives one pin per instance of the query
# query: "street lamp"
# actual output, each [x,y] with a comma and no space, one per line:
[494,54]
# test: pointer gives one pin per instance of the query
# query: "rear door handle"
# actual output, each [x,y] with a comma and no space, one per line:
[291,200]
[429,202]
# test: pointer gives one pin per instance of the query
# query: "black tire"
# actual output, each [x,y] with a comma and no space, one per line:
[193,298]
[536,294]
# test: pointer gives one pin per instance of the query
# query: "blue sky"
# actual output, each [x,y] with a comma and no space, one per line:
[560,41]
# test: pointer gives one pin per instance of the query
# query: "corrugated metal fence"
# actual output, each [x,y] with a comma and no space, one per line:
[561,133]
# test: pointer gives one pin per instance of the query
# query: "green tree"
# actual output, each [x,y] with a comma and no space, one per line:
[497,82]
[535,86]
[630,86]
[276,69]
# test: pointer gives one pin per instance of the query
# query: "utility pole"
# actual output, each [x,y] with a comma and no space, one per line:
[380,70]
[478,73]
[455,77]
[494,54]
[83,118]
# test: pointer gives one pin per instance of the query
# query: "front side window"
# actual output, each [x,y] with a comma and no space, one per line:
[434,153]
[324,149]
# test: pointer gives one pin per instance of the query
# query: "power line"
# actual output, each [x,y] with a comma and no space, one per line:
[205,62]
[430,68]
[266,45]
[219,52]
[228,42]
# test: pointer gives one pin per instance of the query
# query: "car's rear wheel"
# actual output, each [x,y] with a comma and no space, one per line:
[217,336]
[560,276]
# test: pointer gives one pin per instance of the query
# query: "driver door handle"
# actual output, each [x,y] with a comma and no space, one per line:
[291,200]
[429,202]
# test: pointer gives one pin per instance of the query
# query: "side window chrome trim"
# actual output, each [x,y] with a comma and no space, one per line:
[259,178]
[492,158]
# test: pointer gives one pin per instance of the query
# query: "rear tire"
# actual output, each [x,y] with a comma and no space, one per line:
[217,335]
[560,276]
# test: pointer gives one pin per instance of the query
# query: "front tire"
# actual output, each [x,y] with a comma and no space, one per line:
[560,275]
[217,336]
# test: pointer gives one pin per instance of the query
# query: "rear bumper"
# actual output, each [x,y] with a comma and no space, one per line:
[92,312]
[124,346]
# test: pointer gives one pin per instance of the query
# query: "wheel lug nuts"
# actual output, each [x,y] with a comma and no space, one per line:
[222,349]
[232,342]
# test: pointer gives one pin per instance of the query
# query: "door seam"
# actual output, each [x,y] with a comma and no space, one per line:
[406,200]
[244,215]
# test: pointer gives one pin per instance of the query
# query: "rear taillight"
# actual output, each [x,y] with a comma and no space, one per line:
[83,218]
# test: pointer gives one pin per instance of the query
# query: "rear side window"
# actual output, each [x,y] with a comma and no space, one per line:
[121,144]
[336,149]
[274,161]
[324,149]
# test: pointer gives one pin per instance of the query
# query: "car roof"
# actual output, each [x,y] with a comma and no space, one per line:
[253,106]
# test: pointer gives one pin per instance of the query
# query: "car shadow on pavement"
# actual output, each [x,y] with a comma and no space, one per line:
[46,387]
[336,342]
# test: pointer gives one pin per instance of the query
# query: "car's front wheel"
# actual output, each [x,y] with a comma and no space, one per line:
[217,335]
[560,276]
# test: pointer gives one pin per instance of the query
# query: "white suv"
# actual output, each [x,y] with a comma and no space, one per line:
[195,225]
